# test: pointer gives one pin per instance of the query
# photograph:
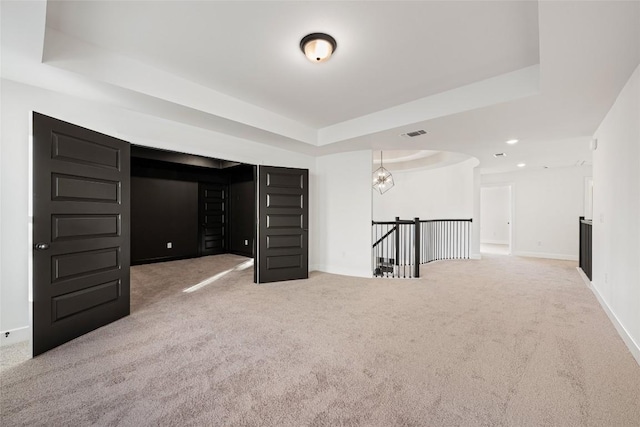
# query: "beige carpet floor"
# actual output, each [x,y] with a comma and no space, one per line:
[502,341]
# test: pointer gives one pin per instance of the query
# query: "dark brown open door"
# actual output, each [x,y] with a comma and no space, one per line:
[283,223]
[212,214]
[80,231]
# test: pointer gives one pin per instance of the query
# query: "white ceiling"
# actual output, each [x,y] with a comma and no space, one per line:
[411,160]
[388,53]
[399,156]
[472,74]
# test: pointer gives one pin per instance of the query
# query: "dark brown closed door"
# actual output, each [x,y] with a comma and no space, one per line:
[212,200]
[283,224]
[80,231]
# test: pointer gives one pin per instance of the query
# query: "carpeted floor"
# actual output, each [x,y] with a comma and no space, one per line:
[502,341]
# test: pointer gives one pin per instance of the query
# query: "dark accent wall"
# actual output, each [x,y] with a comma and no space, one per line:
[165,205]
[164,208]
[242,209]
[163,211]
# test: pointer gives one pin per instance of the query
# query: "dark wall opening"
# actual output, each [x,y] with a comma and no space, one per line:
[242,208]
[167,206]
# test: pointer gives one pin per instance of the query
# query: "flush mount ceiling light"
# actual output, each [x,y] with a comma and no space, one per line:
[382,178]
[318,47]
[521,165]
[512,141]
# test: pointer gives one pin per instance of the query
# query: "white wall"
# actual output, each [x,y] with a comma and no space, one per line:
[442,193]
[495,213]
[343,213]
[18,100]
[477,217]
[547,205]
[616,214]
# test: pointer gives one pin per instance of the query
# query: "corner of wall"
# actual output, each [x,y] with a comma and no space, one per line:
[343,214]
[616,208]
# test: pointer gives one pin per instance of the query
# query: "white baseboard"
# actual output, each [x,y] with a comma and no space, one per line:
[564,257]
[584,277]
[14,336]
[633,346]
[494,242]
[344,271]
[475,256]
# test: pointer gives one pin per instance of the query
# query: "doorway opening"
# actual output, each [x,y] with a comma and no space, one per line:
[187,206]
[496,220]
[101,204]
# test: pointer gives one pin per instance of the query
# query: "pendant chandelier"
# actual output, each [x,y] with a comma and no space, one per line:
[382,178]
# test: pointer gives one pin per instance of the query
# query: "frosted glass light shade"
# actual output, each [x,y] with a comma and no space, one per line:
[318,50]
[318,47]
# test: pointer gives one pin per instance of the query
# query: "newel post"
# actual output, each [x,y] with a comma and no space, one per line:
[580,242]
[397,228]
[416,243]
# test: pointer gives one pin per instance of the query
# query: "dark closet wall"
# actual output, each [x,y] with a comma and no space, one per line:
[165,205]
[164,208]
[163,212]
[242,208]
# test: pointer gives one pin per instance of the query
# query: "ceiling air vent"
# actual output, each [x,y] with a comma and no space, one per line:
[500,155]
[414,133]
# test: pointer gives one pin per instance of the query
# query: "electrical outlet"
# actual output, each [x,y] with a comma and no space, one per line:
[246,243]
[169,245]
[539,243]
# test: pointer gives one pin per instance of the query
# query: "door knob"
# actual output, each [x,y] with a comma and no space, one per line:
[41,246]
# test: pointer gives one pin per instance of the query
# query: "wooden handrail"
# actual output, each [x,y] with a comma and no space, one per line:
[385,236]
[444,220]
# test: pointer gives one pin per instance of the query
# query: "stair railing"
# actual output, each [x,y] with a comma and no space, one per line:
[586,242]
[400,246]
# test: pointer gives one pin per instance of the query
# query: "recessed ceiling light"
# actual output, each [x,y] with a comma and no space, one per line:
[512,141]
[521,165]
